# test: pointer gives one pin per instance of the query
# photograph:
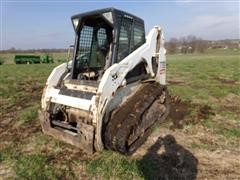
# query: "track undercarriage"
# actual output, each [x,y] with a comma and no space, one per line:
[131,123]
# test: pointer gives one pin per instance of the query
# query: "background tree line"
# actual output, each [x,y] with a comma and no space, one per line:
[183,45]
[192,44]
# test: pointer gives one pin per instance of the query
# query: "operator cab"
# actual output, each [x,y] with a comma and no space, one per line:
[103,37]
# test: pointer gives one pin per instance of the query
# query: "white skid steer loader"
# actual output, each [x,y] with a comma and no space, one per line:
[114,90]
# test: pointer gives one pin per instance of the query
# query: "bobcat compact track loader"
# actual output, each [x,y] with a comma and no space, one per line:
[114,90]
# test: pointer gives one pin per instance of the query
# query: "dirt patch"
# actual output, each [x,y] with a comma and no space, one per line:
[178,111]
[210,161]
[174,161]
[181,112]
[205,111]
[12,132]
[231,102]
[9,122]
[6,170]
[176,82]
[218,165]
[70,155]
[30,88]
[11,127]
[32,94]
[226,81]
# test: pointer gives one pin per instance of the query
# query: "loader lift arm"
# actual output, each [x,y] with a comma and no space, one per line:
[153,49]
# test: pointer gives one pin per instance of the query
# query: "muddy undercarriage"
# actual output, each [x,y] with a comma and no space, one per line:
[124,130]
[78,134]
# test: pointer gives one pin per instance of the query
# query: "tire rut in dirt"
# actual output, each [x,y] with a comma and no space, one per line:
[132,123]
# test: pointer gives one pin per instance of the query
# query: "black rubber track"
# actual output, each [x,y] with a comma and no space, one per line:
[131,124]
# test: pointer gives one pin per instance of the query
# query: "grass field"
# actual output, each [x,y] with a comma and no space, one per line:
[201,138]
[9,57]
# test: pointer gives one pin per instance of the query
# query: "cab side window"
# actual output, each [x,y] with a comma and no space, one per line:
[124,39]
[131,36]
[138,35]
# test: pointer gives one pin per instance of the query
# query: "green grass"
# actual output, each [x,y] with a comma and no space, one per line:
[221,129]
[29,114]
[22,84]
[5,155]
[199,146]
[2,60]
[209,123]
[229,133]
[31,166]
[20,92]
[200,73]
[230,115]
[35,166]
[9,57]
[113,165]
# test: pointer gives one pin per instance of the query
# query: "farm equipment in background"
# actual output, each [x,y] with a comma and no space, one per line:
[46,58]
[33,59]
[114,90]
[27,59]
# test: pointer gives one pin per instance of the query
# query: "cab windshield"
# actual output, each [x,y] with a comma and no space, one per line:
[95,37]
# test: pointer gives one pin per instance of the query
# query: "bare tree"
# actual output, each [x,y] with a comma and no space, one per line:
[201,45]
[191,43]
[172,46]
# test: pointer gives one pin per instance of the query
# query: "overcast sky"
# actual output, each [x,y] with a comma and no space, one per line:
[46,24]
